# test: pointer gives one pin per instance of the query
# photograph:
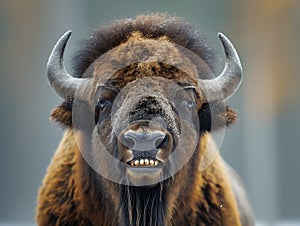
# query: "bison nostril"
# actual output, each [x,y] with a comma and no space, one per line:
[128,142]
[161,142]
[143,141]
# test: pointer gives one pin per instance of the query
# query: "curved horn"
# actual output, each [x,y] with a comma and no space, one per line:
[228,82]
[63,84]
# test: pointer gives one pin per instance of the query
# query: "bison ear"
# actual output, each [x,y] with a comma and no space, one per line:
[63,114]
[221,118]
[231,116]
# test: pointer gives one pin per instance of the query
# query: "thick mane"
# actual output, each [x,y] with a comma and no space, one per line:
[152,26]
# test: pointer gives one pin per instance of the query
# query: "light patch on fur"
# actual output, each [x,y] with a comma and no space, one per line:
[217,183]
[209,152]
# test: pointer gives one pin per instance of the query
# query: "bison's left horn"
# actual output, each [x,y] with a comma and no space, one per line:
[63,84]
[227,83]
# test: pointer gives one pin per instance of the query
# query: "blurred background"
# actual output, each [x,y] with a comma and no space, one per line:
[263,147]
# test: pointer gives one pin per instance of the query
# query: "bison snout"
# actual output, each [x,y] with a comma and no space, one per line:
[144,141]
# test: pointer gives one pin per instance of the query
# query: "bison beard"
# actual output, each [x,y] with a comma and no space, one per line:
[75,193]
[143,205]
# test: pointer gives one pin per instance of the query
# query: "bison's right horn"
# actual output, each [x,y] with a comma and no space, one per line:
[63,84]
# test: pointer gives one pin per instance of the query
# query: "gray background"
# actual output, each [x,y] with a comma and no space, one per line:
[263,147]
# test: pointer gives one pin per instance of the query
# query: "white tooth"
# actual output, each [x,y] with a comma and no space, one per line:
[156,162]
[142,162]
[151,162]
[136,162]
[147,162]
[132,163]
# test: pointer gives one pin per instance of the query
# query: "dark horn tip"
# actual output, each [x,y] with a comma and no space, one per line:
[220,34]
[64,39]
[230,51]
[67,34]
[225,41]
[223,38]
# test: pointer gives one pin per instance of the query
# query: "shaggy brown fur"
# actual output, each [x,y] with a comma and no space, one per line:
[74,194]
[68,198]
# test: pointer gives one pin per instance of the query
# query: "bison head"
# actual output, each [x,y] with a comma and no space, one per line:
[139,112]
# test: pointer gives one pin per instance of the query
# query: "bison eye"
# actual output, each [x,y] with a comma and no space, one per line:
[101,107]
[189,104]
[103,104]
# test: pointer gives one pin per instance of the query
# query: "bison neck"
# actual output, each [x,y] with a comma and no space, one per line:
[143,205]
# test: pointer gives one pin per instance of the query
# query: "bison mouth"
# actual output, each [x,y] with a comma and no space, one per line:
[145,169]
[144,162]
[144,147]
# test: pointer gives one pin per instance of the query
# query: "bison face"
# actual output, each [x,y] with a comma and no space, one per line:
[150,128]
[139,124]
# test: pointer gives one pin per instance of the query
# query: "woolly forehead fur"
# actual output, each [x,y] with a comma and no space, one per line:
[147,56]
[152,26]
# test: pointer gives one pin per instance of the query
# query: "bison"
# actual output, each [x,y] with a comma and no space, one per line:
[143,112]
